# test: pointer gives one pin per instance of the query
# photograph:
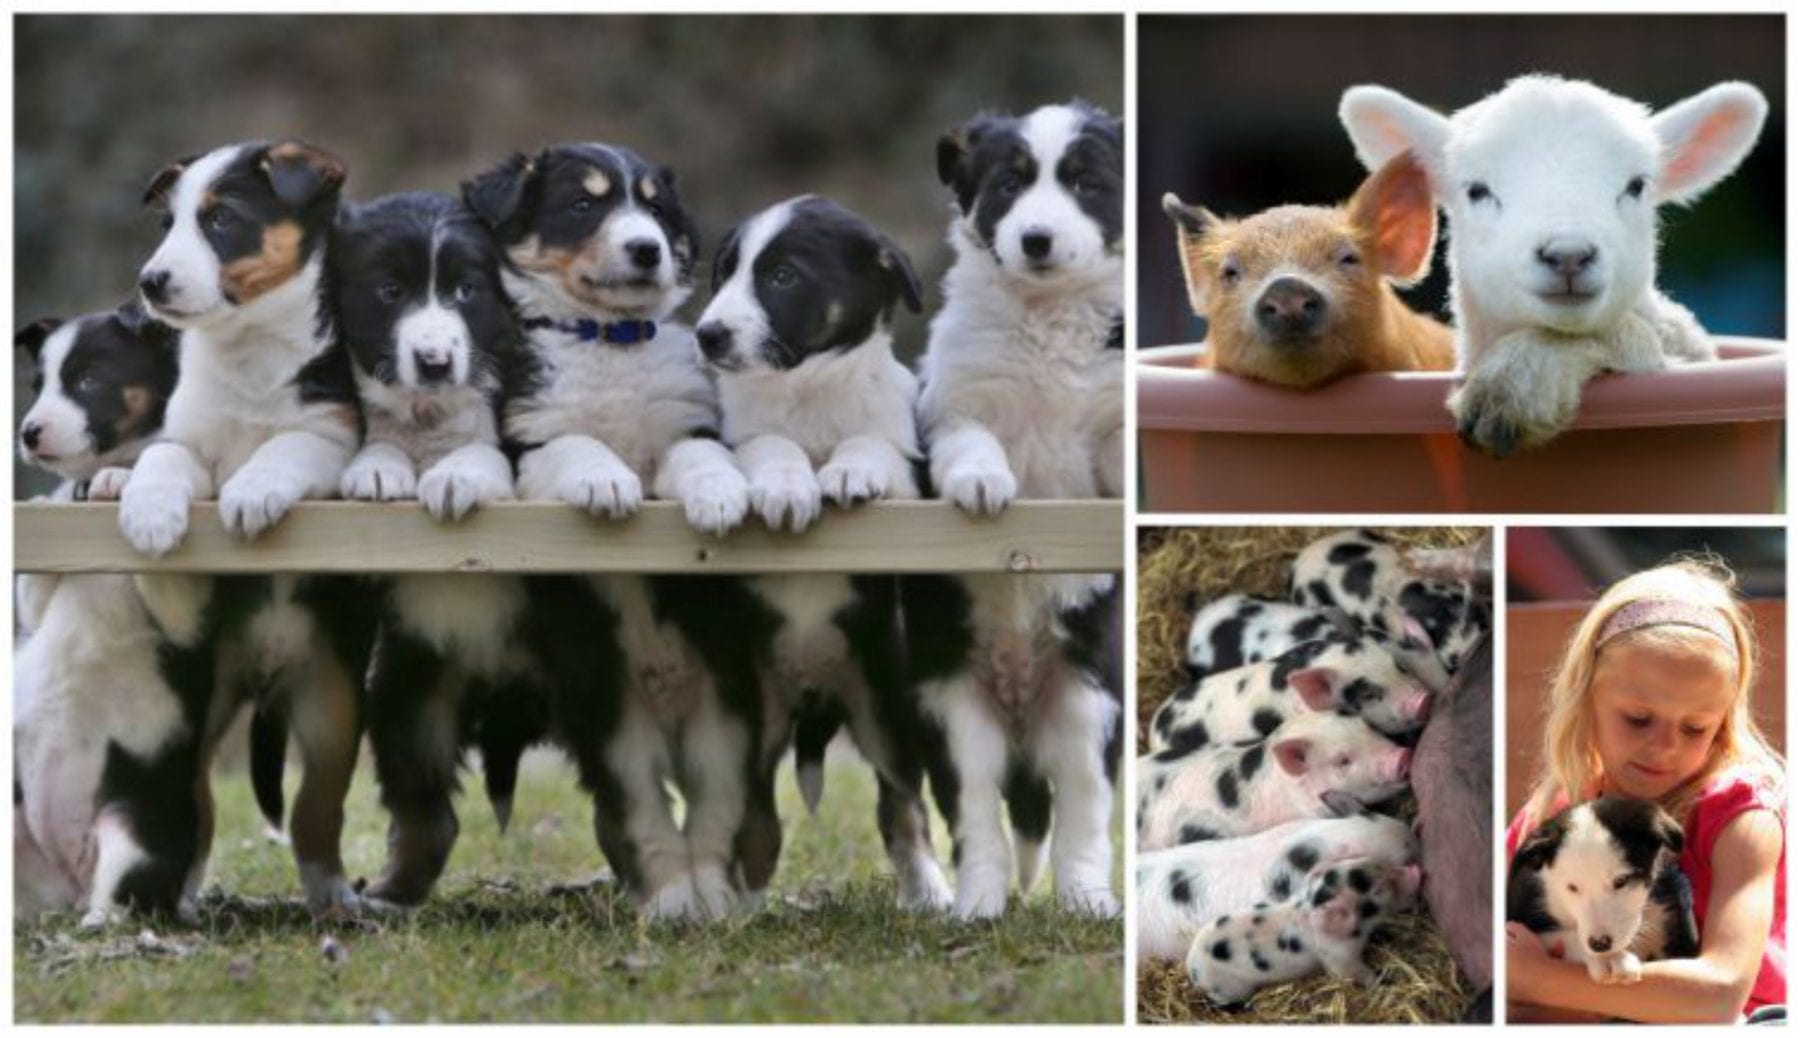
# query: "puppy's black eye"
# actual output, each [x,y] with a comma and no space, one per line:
[583,204]
[465,291]
[1478,192]
[1088,184]
[388,291]
[784,276]
[166,220]
[1634,188]
[220,219]
[88,385]
[1009,184]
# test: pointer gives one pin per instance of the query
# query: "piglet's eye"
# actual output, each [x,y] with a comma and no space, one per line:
[1621,882]
[1347,257]
[1230,272]
[1573,889]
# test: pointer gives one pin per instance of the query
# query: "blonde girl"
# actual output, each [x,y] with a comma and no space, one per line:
[1652,700]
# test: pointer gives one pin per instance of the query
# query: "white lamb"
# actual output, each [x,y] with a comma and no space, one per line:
[1551,188]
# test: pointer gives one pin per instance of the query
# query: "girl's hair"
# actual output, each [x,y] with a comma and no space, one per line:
[1571,767]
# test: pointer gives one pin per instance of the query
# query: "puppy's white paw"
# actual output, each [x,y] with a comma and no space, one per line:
[378,477]
[328,893]
[1615,968]
[786,498]
[848,485]
[153,517]
[1098,902]
[614,492]
[108,483]
[450,492]
[924,889]
[980,491]
[255,500]
[716,502]
[979,901]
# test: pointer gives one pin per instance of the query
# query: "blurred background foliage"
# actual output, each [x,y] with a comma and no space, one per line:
[1239,113]
[746,110]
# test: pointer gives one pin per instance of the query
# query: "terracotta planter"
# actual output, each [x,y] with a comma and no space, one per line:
[1697,438]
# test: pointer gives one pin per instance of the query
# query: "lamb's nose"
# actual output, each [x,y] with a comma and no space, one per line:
[31,434]
[1289,308]
[1568,257]
[1600,943]
[1036,243]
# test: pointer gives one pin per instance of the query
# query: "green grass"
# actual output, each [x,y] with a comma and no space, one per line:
[503,941]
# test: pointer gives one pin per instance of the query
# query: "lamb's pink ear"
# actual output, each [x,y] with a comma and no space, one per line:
[1704,138]
[1291,755]
[1398,218]
[1383,123]
[1314,686]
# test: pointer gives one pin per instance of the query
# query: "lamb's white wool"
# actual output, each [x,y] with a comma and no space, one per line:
[1551,187]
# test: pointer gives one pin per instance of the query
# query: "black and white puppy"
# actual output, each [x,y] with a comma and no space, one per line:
[264,413]
[1023,396]
[415,280]
[652,682]
[817,408]
[105,814]
[1604,879]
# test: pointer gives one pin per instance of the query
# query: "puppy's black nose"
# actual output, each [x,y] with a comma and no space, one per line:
[1036,244]
[1290,308]
[31,434]
[645,253]
[1600,944]
[155,285]
[432,365]
[715,339]
[1568,257]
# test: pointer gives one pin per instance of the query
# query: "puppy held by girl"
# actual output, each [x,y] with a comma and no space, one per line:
[1652,701]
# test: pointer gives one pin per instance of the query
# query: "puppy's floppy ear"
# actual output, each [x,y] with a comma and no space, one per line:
[1193,225]
[498,196]
[955,157]
[302,174]
[1397,218]
[725,260]
[1540,847]
[134,319]
[31,337]
[685,239]
[901,276]
[157,191]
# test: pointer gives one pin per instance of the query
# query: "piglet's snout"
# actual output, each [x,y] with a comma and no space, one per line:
[1416,705]
[1290,309]
[1400,765]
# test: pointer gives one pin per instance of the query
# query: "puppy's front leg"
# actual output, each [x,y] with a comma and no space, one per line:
[288,467]
[701,474]
[153,508]
[584,472]
[969,467]
[977,749]
[464,479]
[783,489]
[866,468]
[1071,750]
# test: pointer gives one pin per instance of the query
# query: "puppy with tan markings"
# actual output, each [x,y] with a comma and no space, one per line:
[265,414]
[1301,295]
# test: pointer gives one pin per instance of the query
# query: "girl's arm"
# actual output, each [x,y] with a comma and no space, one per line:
[1710,988]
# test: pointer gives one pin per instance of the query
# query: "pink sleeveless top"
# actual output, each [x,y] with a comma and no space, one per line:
[1728,795]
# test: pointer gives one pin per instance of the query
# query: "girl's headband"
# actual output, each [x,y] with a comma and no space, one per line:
[1651,612]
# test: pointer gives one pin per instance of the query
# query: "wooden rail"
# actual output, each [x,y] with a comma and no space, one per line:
[536,537]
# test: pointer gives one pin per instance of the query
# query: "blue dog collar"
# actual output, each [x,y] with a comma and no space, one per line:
[618,333]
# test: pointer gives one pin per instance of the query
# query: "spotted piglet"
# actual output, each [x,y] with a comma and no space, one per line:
[1354,675]
[1315,765]
[1327,926]
[1182,888]
[1363,574]
[1238,629]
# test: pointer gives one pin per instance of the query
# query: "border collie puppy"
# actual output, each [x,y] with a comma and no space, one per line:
[416,284]
[1023,397]
[1604,878]
[652,676]
[817,409]
[264,414]
[104,751]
